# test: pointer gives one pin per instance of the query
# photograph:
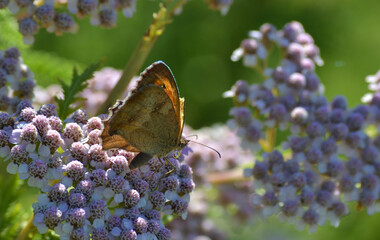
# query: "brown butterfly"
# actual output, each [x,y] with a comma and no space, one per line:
[150,121]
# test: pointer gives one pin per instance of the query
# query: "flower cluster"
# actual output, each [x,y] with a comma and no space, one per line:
[87,192]
[58,16]
[329,158]
[16,80]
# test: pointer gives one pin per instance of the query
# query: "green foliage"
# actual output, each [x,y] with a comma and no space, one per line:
[9,31]
[78,84]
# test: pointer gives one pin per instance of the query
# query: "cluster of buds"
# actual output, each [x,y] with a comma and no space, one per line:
[58,16]
[87,192]
[329,158]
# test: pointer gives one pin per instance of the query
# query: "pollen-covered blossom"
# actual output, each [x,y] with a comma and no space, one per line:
[330,158]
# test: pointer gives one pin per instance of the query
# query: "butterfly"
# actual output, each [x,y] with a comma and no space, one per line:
[149,121]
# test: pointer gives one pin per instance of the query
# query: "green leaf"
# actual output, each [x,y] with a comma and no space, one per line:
[78,84]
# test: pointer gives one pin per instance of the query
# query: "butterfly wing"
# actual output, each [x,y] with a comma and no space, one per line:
[147,121]
[159,74]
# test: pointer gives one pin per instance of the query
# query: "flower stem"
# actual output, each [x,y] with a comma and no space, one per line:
[160,20]
[25,231]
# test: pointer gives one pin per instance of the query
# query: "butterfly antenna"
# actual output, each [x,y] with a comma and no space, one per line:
[194,135]
[220,156]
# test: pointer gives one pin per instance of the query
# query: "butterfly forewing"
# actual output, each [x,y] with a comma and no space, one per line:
[148,121]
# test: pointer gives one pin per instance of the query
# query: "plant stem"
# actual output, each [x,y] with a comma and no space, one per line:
[25,231]
[160,20]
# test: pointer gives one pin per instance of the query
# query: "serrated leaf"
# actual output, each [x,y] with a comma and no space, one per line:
[78,84]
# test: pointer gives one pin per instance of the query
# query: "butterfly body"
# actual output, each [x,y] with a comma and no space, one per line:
[150,120]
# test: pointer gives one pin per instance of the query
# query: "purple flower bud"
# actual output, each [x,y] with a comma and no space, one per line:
[186,185]
[77,199]
[292,30]
[47,110]
[170,183]
[252,133]
[99,177]
[4,137]
[5,120]
[107,17]
[42,124]
[355,121]
[29,133]
[76,216]
[338,208]
[75,170]
[185,171]
[86,6]
[307,197]
[277,180]
[63,21]
[346,184]
[241,90]
[312,82]
[80,116]
[278,112]
[323,198]
[179,206]
[249,46]
[98,208]
[355,140]
[366,198]
[339,102]
[295,52]
[117,184]
[140,225]
[94,123]
[290,207]
[12,52]
[73,131]
[112,222]
[27,27]
[369,154]
[334,167]
[119,164]
[142,186]
[96,154]
[27,114]
[297,81]
[298,144]
[52,139]
[269,199]
[339,131]
[45,14]
[154,226]
[128,235]
[259,170]
[78,151]
[132,213]
[291,166]
[164,234]
[158,199]
[37,169]
[322,114]
[363,110]
[298,180]
[310,217]
[242,115]
[329,147]
[311,177]
[86,187]
[132,198]
[55,123]
[279,75]
[288,101]
[58,193]
[19,155]
[328,186]
[78,234]
[299,115]
[337,115]
[100,234]
[52,217]
[369,182]
[315,129]
[275,160]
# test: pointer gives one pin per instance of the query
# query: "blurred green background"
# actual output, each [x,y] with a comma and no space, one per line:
[198,45]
